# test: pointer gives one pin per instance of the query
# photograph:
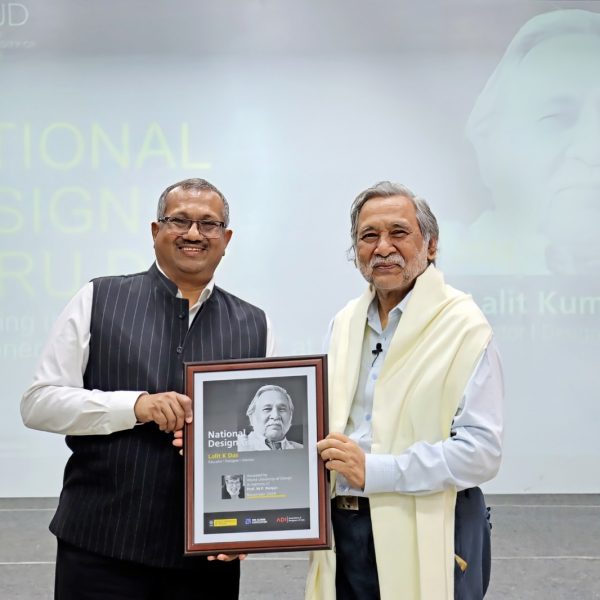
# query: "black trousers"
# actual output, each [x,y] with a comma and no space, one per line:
[356,569]
[472,542]
[355,566]
[83,575]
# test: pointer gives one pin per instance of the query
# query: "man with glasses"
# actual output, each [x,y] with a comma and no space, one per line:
[415,395]
[233,487]
[111,378]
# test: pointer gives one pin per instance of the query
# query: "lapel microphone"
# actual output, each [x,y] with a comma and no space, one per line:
[376,352]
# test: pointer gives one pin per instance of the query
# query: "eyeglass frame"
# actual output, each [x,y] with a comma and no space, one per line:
[168,221]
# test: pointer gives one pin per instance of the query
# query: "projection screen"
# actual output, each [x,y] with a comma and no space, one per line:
[491,111]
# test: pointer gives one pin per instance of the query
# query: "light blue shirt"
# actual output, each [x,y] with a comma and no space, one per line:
[468,457]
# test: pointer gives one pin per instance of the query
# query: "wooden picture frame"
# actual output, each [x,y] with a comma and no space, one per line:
[253,479]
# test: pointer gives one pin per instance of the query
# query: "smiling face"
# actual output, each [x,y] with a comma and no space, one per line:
[541,159]
[390,250]
[272,416]
[549,125]
[190,258]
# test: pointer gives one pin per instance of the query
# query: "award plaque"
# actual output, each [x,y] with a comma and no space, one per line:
[254,480]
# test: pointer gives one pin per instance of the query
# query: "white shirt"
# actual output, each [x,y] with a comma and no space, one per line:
[56,400]
[470,456]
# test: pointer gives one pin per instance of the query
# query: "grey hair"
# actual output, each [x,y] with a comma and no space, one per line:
[428,224]
[268,388]
[198,185]
[537,30]
[237,476]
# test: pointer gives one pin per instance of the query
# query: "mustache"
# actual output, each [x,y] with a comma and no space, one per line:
[392,259]
[200,243]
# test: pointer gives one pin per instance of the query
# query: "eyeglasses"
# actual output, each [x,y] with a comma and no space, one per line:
[209,229]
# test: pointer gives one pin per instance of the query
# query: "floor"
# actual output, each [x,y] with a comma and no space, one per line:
[545,547]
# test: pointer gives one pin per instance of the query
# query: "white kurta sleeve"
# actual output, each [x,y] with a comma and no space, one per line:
[56,400]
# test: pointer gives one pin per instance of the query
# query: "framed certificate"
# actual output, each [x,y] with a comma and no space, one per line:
[254,481]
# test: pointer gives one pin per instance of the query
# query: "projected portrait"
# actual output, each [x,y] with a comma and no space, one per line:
[232,487]
[270,413]
[535,129]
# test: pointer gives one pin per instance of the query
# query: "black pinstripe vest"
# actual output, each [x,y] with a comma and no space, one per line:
[123,493]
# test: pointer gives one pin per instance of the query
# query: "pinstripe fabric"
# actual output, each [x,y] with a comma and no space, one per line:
[123,493]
